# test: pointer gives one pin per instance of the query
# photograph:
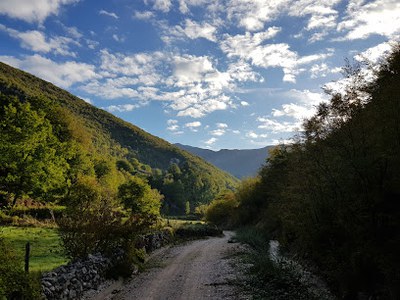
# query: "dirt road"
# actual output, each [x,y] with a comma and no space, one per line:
[201,269]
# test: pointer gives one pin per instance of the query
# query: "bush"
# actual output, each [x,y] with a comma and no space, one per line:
[14,282]
[91,224]
[197,230]
[221,211]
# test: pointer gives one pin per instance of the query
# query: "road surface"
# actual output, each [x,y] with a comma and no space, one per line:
[201,269]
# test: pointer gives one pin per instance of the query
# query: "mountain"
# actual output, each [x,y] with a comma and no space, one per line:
[239,163]
[108,140]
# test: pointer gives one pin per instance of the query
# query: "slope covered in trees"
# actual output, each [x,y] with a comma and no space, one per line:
[50,138]
[334,196]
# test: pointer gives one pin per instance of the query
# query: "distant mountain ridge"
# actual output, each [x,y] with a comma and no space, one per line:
[240,163]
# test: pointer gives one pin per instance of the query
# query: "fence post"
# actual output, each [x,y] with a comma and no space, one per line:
[27,252]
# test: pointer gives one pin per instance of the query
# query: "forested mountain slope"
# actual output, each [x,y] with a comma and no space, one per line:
[179,175]
[240,163]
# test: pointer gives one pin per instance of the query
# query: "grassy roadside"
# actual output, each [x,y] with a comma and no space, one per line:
[267,278]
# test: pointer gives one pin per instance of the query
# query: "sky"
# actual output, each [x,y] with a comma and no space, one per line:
[228,74]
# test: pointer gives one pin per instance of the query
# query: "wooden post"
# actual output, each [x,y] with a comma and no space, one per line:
[27,252]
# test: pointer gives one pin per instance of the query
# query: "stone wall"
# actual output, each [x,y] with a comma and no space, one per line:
[71,280]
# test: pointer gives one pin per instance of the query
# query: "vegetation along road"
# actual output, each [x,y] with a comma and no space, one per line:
[201,269]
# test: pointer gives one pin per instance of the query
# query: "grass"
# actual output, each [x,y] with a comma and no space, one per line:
[266,278]
[46,253]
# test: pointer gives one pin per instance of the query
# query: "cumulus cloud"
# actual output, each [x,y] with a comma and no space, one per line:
[218,132]
[254,14]
[222,125]
[192,30]
[32,11]
[376,54]
[143,15]
[363,19]
[251,134]
[193,125]
[191,85]
[122,107]
[62,74]
[290,116]
[109,14]
[277,126]
[211,141]
[161,5]
[251,47]
[173,127]
[38,42]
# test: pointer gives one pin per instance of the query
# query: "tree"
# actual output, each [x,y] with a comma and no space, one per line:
[30,163]
[137,196]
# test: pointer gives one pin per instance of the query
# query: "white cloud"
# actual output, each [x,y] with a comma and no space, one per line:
[190,69]
[211,141]
[363,19]
[143,15]
[252,14]
[193,125]
[244,103]
[218,132]
[191,30]
[376,54]
[37,41]
[162,5]
[250,47]
[122,107]
[185,4]
[109,14]
[222,125]
[295,111]
[173,125]
[236,131]
[278,126]
[62,74]
[117,38]
[32,10]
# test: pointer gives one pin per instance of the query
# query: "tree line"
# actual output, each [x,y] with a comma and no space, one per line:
[333,196]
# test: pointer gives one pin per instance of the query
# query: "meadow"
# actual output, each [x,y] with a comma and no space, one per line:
[46,252]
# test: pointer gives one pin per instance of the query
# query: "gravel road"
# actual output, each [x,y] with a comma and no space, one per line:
[201,269]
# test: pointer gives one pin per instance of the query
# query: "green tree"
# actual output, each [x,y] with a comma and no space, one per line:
[137,196]
[30,163]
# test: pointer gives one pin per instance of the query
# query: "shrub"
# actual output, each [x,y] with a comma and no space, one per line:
[221,211]
[197,230]
[91,223]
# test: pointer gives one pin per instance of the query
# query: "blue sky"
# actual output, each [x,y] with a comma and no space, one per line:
[213,74]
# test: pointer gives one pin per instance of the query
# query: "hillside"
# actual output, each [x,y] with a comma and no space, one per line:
[239,163]
[113,140]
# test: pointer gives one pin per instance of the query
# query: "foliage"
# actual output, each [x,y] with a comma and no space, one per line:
[332,197]
[221,210]
[30,163]
[14,282]
[197,230]
[140,199]
[91,223]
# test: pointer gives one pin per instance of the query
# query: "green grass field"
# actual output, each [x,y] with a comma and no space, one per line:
[46,249]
